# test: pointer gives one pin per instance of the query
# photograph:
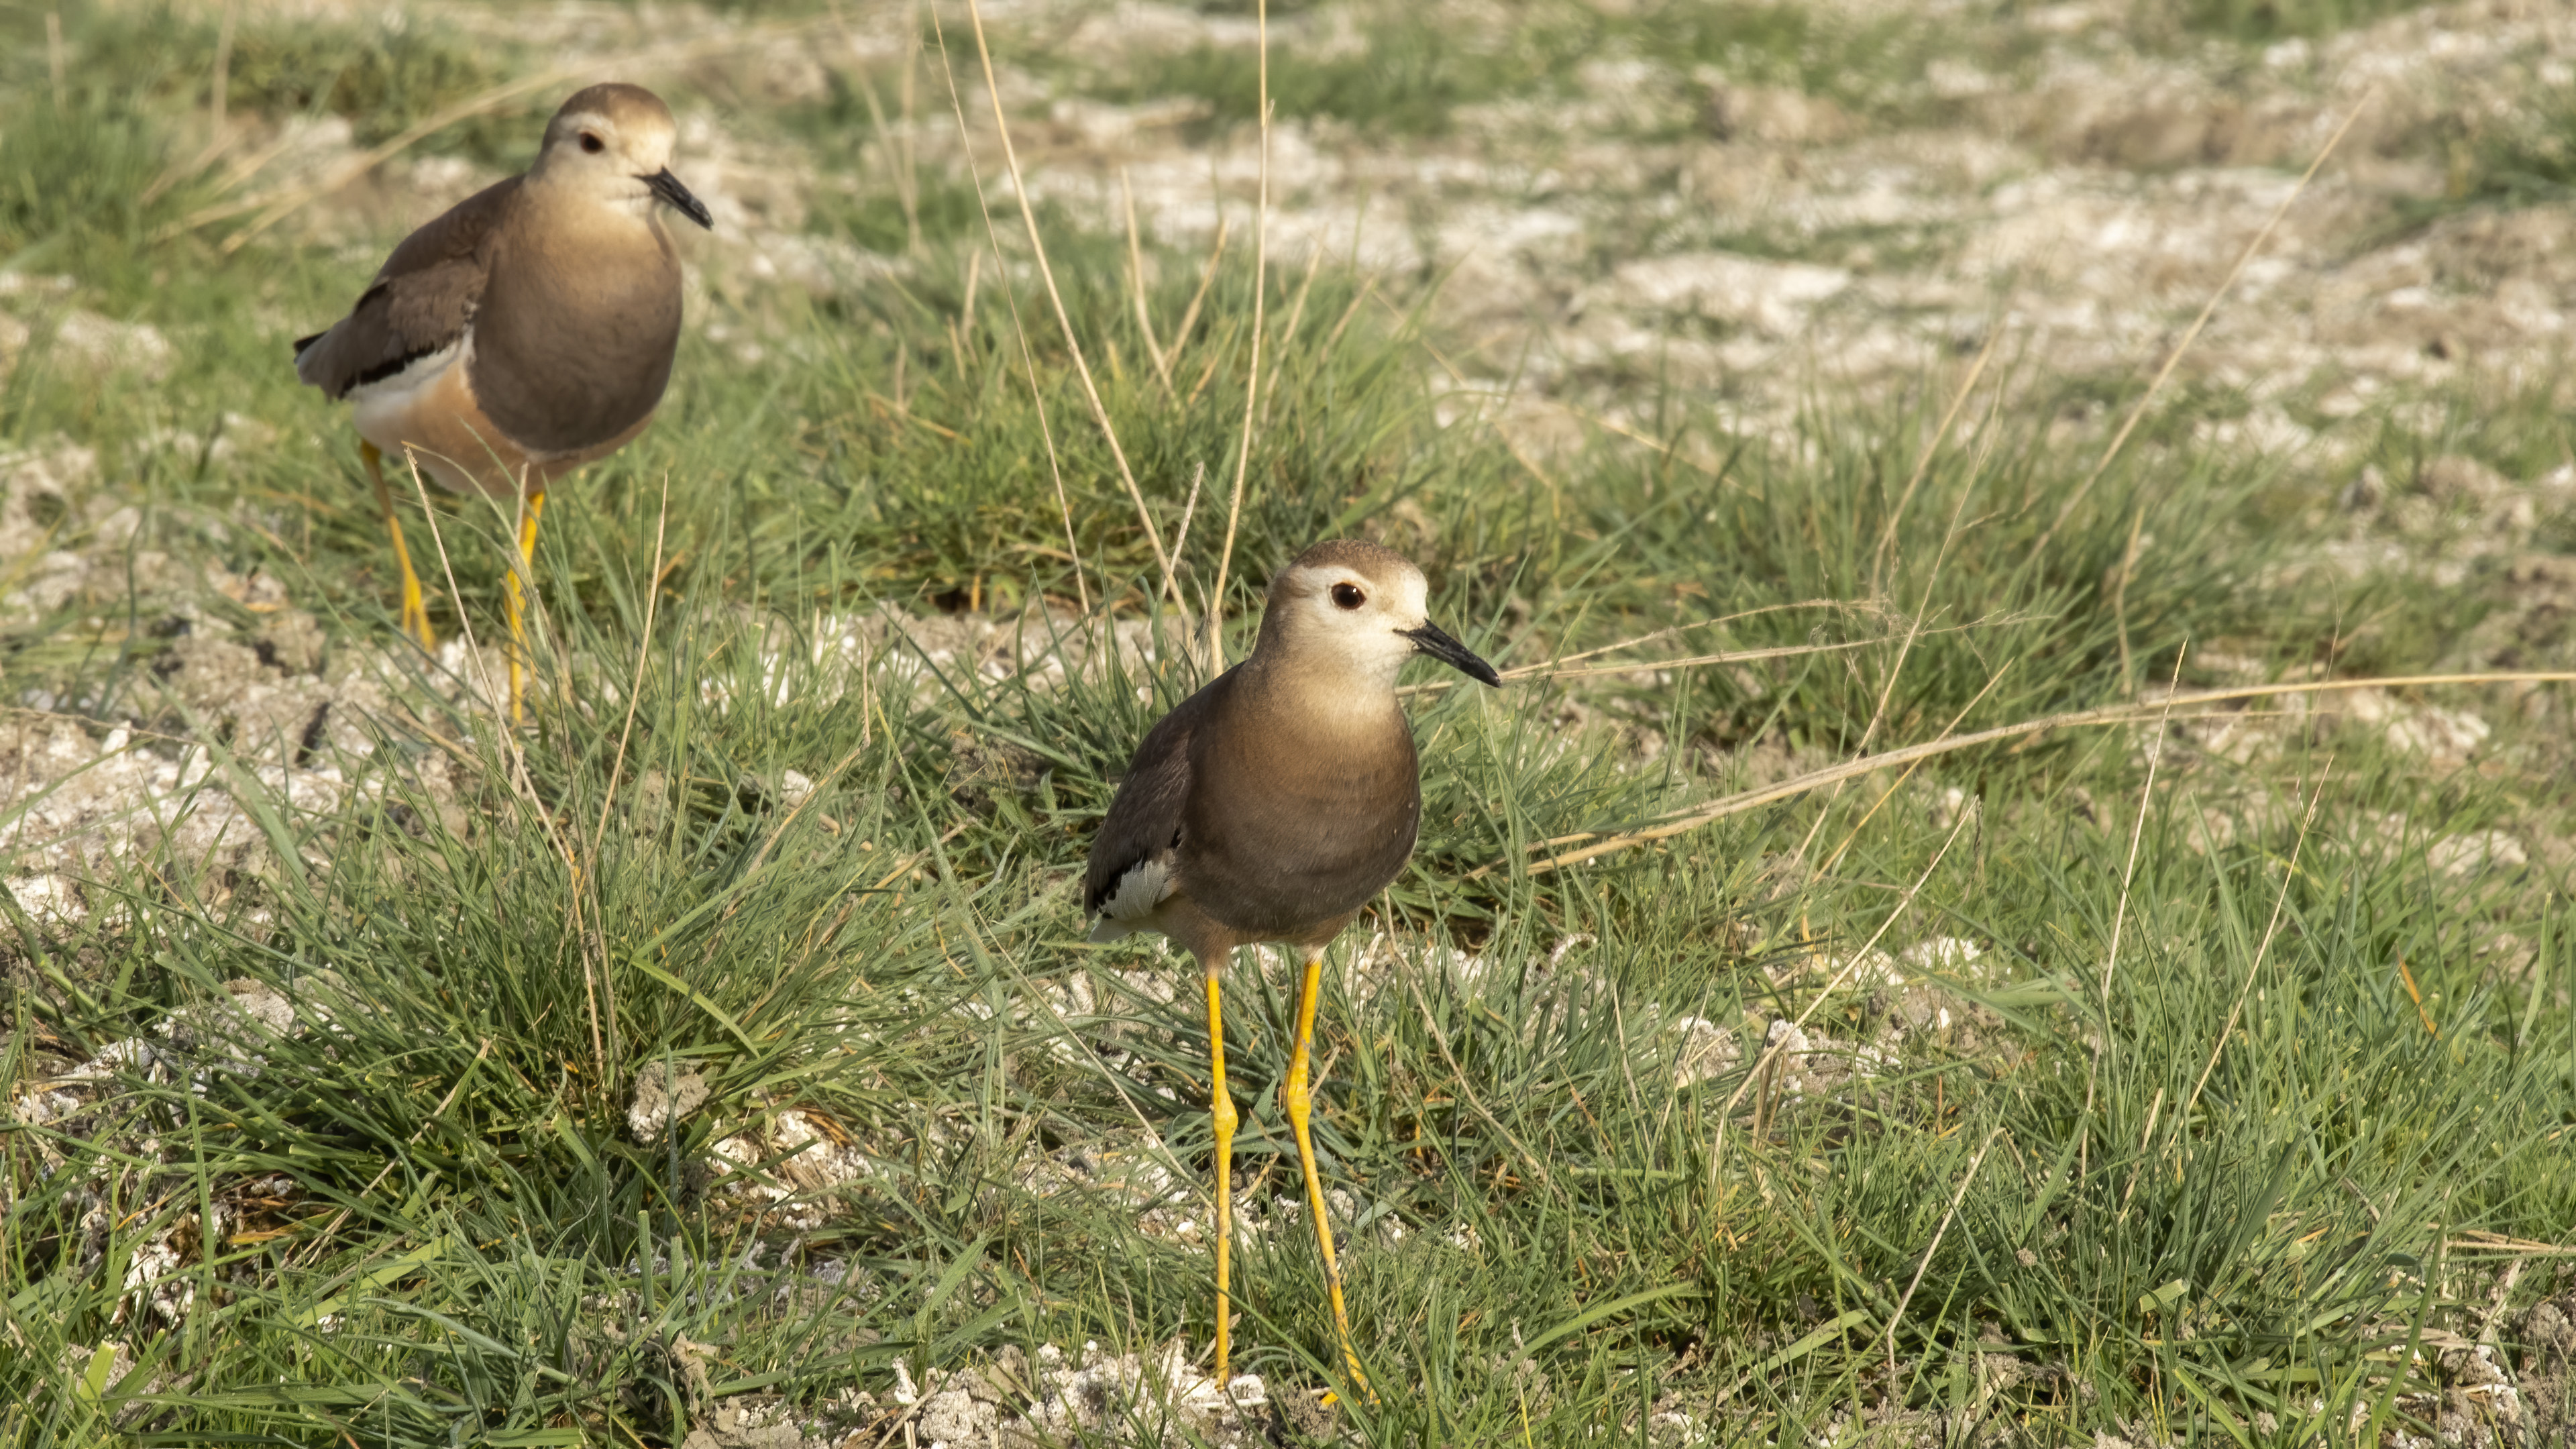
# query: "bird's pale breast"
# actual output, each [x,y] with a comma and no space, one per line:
[569,356]
[1287,830]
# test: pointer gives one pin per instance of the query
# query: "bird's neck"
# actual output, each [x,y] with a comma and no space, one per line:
[1320,701]
[590,256]
[630,217]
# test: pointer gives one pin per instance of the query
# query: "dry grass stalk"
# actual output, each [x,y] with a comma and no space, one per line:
[1956,1198]
[1843,973]
[1046,273]
[2191,334]
[1252,374]
[1136,287]
[1923,459]
[1922,612]
[2120,912]
[1028,354]
[635,684]
[2271,929]
[2117,714]
[595,985]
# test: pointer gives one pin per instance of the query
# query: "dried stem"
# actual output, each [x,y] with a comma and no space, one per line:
[1934,1246]
[1252,374]
[2118,714]
[1028,354]
[1136,286]
[2191,334]
[2120,914]
[1046,273]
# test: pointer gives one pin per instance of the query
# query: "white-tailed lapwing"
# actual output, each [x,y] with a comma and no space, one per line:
[524,333]
[1271,806]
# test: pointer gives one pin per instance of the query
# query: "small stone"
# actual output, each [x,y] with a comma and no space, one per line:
[2454,478]
[956,1418]
[2484,850]
[1942,953]
[1707,1050]
[663,1095]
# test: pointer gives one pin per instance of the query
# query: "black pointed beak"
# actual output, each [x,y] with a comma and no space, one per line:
[668,187]
[1431,639]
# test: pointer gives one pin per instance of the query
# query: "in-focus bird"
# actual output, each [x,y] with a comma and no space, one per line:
[1272,805]
[524,333]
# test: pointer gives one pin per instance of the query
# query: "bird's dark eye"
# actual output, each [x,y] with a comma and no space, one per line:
[1348,596]
[591,143]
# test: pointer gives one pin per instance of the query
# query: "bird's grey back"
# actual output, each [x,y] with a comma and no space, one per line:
[420,302]
[1144,819]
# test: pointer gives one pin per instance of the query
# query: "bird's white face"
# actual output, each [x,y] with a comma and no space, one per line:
[1361,619]
[596,154]
[1344,616]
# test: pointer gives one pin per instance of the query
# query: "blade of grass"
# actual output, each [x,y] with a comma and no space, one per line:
[2118,714]
[2191,334]
[2120,912]
[1215,647]
[1046,273]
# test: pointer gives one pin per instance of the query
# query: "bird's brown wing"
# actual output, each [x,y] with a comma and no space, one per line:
[1144,823]
[420,302]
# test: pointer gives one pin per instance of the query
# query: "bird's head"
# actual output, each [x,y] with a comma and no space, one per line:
[1358,609]
[614,142]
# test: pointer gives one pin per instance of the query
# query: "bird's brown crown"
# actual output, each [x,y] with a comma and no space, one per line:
[1382,564]
[617,103]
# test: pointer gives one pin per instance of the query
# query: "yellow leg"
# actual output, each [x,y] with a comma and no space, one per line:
[415,612]
[1299,1099]
[1221,1114]
[511,589]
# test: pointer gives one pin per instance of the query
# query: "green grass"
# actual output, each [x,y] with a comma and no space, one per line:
[2269,20]
[1410,70]
[2524,157]
[382,78]
[2230,1173]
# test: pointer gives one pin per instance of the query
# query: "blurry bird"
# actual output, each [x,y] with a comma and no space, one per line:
[524,333]
[1271,806]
